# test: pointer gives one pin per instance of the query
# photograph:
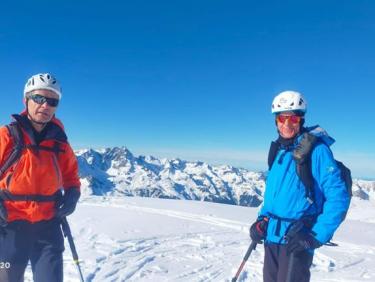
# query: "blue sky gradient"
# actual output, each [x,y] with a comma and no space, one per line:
[195,79]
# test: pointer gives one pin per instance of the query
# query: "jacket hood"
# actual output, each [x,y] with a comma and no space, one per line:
[321,133]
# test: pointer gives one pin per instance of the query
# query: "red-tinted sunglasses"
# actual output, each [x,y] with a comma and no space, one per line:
[293,118]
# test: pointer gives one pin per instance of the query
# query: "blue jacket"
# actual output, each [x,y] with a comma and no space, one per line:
[285,201]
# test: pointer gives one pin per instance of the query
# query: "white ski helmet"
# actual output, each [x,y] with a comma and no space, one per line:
[289,101]
[42,81]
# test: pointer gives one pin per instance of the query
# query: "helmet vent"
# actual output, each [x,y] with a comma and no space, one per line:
[288,101]
[42,81]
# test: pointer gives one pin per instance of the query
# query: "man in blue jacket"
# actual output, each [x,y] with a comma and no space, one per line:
[292,225]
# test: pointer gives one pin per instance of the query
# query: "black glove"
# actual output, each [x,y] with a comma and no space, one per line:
[302,241]
[67,204]
[3,215]
[258,230]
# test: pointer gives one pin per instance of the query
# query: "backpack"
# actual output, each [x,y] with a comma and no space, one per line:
[302,157]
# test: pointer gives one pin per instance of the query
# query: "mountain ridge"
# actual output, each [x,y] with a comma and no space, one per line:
[117,172]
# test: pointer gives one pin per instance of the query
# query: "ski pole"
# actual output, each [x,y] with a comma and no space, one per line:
[68,234]
[246,257]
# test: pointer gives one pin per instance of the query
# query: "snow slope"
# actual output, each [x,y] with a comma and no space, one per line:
[148,239]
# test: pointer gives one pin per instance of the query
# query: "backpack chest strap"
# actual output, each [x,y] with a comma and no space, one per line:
[55,149]
[5,195]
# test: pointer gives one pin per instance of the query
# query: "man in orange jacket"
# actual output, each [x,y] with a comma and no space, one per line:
[39,185]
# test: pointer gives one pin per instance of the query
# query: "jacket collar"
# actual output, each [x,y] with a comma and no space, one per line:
[55,129]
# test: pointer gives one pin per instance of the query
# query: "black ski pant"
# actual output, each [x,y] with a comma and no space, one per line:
[41,243]
[276,263]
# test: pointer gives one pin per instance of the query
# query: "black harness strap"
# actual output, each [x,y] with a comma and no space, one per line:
[5,195]
[279,219]
[55,149]
[307,220]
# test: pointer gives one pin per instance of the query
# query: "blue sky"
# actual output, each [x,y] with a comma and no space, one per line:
[195,79]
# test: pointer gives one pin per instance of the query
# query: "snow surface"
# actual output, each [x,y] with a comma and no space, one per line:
[150,239]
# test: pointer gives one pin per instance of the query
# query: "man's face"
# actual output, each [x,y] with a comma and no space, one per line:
[288,124]
[39,110]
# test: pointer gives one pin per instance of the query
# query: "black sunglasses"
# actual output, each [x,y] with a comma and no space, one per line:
[39,99]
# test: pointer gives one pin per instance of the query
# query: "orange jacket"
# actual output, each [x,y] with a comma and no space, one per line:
[37,172]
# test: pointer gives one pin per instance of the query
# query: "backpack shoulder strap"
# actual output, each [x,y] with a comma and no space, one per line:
[302,157]
[16,133]
[56,149]
[274,148]
[18,145]
[304,147]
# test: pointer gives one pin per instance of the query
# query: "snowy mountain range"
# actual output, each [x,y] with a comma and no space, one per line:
[116,171]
